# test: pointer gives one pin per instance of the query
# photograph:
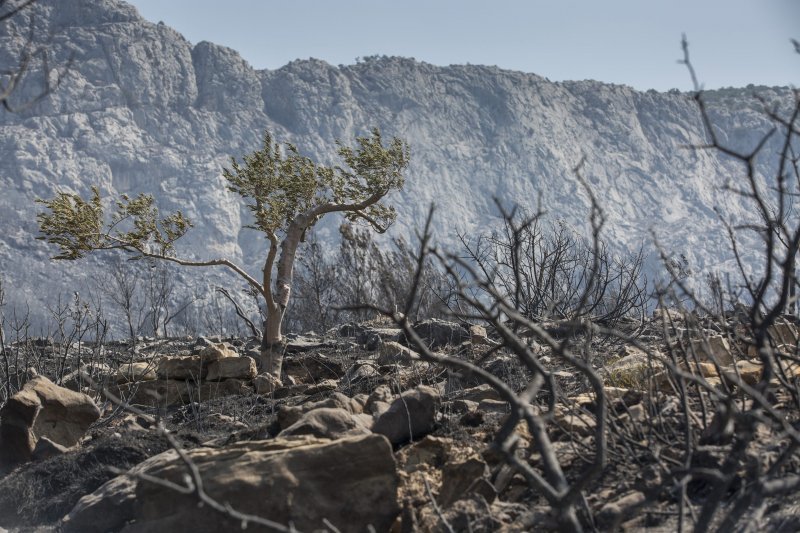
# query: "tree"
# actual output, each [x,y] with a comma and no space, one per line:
[286,192]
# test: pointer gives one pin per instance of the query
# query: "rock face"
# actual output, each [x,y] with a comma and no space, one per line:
[43,409]
[144,110]
[298,481]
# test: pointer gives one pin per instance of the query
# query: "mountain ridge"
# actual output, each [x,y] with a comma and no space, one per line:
[144,110]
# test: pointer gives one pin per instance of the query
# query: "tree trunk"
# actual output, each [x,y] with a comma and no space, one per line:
[273,344]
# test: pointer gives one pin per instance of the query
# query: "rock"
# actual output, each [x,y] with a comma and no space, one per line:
[160,392]
[326,422]
[216,352]
[481,392]
[493,406]
[432,451]
[478,335]
[379,400]
[232,367]
[310,368]
[715,347]
[414,410]
[189,367]
[749,372]
[351,482]
[575,423]
[139,371]
[266,384]
[615,511]
[438,333]
[323,386]
[288,415]
[463,406]
[358,372]
[462,478]
[301,343]
[43,409]
[394,353]
[784,333]
[211,390]
[97,372]
[46,448]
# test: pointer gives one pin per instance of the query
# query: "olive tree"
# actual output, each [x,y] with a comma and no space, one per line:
[287,194]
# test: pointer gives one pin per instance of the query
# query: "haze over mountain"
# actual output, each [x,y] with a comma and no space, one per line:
[144,110]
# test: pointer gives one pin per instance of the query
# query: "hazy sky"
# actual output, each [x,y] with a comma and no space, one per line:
[636,42]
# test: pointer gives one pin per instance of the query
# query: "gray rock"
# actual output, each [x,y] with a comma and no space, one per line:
[410,416]
[437,333]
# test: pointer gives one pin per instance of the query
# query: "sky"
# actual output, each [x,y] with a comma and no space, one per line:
[733,43]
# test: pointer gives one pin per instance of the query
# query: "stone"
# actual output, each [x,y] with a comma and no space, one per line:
[188,367]
[302,343]
[381,394]
[749,372]
[139,371]
[394,353]
[266,383]
[216,352]
[323,386]
[326,422]
[478,335]
[358,372]
[714,347]
[312,367]
[463,406]
[43,409]
[481,392]
[784,334]
[461,478]
[46,448]
[351,482]
[432,451]
[410,416]
[615,511]
[288,414]
[232,367]
[97,372]
[493,406]
[574,423]
[437,333]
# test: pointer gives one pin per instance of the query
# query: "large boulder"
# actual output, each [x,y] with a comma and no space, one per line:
[352,483]
[43,409]
[411,415]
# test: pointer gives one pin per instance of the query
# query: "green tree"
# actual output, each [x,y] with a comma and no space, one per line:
[287,193]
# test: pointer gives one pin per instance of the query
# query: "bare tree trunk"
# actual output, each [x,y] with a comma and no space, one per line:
[273,344]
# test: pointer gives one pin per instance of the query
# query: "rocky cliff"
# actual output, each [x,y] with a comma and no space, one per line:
[144,110]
